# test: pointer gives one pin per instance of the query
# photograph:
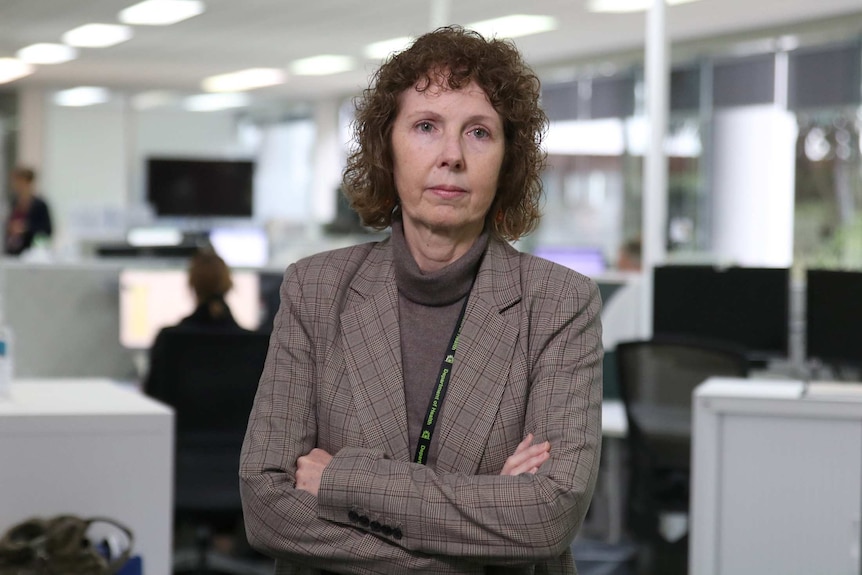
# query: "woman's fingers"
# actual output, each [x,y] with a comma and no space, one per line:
[527,457]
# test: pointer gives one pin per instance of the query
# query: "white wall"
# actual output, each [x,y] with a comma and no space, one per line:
[284,174]
[329,160]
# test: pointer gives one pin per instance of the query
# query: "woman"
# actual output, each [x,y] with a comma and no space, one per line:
[431,403]
[29,217]
[209,278]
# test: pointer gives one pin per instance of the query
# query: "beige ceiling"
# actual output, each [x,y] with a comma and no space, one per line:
[237,34]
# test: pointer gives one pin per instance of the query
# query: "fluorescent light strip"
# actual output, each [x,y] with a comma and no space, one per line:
[47,53]
[514,26]
[153,99]
[244,80]
[82,96]
[624,6]
[322,65]
[97,35]
[215,102]
[385,48]
[161,12]
[12,69]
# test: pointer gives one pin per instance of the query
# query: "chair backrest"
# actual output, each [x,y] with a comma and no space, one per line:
[211,381]
[657,378]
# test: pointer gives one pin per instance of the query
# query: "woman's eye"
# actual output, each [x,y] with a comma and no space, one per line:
[480,133]
[425,126]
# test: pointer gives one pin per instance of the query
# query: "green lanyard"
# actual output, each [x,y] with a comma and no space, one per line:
[430,421]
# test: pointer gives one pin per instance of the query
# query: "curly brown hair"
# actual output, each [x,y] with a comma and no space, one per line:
[454,57]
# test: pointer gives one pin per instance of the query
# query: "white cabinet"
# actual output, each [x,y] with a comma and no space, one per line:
[777,478]
[89,448]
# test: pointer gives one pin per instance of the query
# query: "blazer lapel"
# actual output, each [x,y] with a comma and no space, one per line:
[371,341]
[478,376]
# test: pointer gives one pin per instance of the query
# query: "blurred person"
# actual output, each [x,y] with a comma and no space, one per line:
[629,256]
[209,278]
[431,402]
[29,218]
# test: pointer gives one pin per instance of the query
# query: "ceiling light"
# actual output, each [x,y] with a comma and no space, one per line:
[47,53]
[244,80]
[214,102]
[153,99]
[97,35]
[383,49]
[322,65]
[620,6]
[11,69]
[161,12]
[514,26]
[82,96]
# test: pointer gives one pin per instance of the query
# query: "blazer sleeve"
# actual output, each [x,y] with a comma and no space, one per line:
[493,519]
[280,520]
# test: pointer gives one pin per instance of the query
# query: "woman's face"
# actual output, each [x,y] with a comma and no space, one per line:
[448,148]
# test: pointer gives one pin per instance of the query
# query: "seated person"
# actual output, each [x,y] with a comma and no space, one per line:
[210,280]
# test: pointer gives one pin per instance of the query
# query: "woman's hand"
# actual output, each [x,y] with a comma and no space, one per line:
[527,457]
[309,468]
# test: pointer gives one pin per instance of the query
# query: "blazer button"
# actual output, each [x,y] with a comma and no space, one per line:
[364,521]
[396,533]
[375,526]
[353,516]
[386,530]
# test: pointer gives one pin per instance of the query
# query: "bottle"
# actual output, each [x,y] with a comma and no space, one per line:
[5,362]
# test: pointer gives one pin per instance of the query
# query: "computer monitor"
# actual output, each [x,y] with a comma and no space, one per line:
[746,307]
[200,187]
[585,260]
[833,317]
[240,246]
[151,299]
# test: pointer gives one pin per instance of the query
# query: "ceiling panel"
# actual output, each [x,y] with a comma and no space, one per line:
[233,34]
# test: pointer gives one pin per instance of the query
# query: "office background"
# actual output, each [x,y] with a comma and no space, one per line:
[763,151]
[763,134]
[762,145]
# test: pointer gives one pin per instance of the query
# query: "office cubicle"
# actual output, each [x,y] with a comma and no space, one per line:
[65,320]
[81,320]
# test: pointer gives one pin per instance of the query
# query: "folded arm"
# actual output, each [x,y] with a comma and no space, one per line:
[281,520]
[437,522]
[494,519]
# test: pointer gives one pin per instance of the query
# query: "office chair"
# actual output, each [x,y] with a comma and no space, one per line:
[657,378]
[210,380]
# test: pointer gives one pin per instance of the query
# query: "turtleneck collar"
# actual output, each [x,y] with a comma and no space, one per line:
[442,287]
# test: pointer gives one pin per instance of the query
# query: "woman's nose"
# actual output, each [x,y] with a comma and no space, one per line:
[452,152]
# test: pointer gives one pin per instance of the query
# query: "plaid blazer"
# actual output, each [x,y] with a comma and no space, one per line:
[529,360]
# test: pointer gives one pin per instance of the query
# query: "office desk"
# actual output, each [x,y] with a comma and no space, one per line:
[91,448]
[776,478]
[614,429]
[614,423]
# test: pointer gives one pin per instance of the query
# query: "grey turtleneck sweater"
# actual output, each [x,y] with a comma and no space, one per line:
[428,307]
